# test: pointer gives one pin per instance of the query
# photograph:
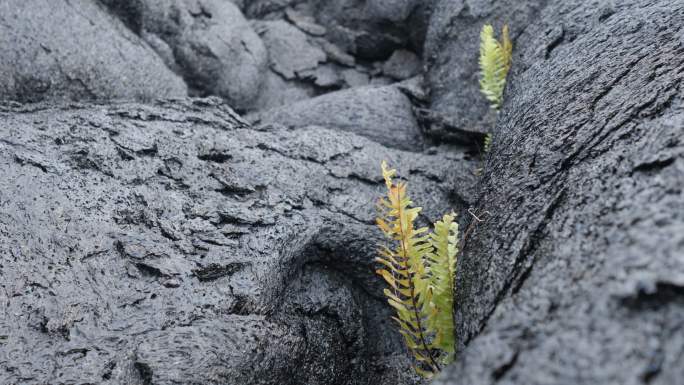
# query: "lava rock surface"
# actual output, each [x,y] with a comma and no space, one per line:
[384,114]
[172,243]
[151,237]
[576,276]
[62,51]
[209,42]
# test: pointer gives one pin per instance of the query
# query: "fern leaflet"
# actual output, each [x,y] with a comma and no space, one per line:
[442,266]
[495,62]
[487,143]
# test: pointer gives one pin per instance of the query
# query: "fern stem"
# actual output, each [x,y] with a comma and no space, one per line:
[435,366]
[470,228]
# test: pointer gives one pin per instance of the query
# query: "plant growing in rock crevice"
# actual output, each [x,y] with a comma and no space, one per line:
[495,62]
[419,268]
[420,264]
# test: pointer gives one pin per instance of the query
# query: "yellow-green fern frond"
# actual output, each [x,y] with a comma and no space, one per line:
[442,266]
[404,270]
[487,143]
[495,61]
[506,48]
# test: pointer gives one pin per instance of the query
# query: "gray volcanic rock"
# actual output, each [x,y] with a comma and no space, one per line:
[327,76]
[277,92]
[59,50]
[173,244]
[289,49]
[577,275]
[369,29]
[383,114]
[354,78]
[305,23]
[402,65]
[373,29]
[336,54]
[264,9]
[209,42]
[303,65]
[311,46]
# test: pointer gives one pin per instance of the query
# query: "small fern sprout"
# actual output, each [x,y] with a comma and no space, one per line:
[419,270]
[487,143]
[495,62]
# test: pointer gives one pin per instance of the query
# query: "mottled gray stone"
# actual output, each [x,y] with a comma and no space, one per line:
[577,274]
[355,78]
[289,49]
[324,76]
[402,65]
[368,29]
[277,92]
[211,43]
[305,23]
[174,244]
[267,9]
[59,50]
[383,114]
[336,54]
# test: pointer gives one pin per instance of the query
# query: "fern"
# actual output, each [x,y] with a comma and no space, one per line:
[495,62]
[507,49]
[420,272]
[405,270]
[487,143]
[442,266]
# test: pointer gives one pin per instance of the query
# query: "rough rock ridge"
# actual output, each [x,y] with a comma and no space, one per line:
[577,274]
[172,243]
[58,50]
